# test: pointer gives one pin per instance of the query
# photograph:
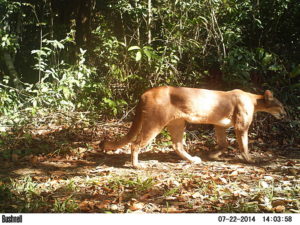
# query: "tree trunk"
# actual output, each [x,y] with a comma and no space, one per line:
[138,27]
[149,21]
[83,22]
[12,70]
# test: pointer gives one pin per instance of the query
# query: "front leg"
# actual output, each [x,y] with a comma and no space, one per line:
[135,148]
[243,120]
[242,139]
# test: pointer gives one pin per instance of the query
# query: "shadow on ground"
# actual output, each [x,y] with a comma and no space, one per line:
[74,152]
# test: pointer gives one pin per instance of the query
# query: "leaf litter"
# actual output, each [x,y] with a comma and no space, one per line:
[61,169]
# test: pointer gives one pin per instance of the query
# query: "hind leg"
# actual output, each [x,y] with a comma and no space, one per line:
[176,129]
[147,134]
[220,133]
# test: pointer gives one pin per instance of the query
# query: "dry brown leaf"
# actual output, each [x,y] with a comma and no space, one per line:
[145,196]
[179,203]
[293,171]
[103,205]
[245,186]
[85,206]
[171,209]
[290,163]
[136,206]
[265,208]
[260,170]
[183,198]
[279,208]
[279,202]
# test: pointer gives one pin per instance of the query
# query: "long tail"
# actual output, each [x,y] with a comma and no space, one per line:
[132,133]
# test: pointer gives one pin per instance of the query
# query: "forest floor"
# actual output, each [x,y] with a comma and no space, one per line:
[61,169]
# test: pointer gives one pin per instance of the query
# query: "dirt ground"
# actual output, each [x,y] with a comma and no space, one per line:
[62,170]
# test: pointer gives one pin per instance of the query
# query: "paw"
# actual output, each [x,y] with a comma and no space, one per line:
[138,166]
[196,160]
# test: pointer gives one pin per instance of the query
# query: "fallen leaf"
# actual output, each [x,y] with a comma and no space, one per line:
[114,207]
[136,206]
[279,202]
[103,205]
[265,208]
[170,198]
[179,203]
[245,186]
[169,210]
[292,171]
[224,181]
[290,163]
[264,184]
[145,196]
[279,208]
[240,193]
[268,178]
[196,195]
[183,198]
[85,206]
[234,173]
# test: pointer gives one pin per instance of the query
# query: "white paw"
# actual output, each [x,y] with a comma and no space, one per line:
[196,160]
[139,166]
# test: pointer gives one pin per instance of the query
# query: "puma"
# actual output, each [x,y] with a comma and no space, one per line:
[172,107]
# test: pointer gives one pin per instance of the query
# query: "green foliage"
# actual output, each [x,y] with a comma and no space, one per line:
[130,46]
[112,105]
[66,206]
[239,64]
[10,99]
[9,11]
[139,185]
[60,84]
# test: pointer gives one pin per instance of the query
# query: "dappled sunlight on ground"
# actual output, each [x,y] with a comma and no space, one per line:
[62,170]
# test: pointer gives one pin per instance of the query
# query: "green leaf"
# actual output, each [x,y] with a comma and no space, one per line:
[110,102]
[66,92]
[274,67]
[138,56]
[34,103]
[203,19]
[134,48]
[267,59]
[148,53]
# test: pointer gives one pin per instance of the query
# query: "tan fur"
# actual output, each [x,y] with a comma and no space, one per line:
[172,107]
